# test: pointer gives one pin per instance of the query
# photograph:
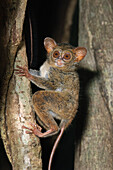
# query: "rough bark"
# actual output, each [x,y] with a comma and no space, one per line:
[95,33]
[23,151]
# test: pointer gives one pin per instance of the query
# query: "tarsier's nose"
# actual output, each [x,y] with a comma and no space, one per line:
[60,62]
[60,57]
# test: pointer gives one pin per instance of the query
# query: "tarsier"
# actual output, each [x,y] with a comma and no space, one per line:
[60,81]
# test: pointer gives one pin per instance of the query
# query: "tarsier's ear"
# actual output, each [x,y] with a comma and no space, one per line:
[80,53]
[49,44]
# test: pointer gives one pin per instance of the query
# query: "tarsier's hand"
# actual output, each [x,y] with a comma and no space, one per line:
[22,71]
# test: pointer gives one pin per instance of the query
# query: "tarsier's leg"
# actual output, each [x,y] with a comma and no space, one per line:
[47,105]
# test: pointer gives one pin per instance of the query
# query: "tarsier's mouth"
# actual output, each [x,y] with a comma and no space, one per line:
[59,63]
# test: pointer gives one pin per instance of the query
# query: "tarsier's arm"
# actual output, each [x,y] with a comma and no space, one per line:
[34,77]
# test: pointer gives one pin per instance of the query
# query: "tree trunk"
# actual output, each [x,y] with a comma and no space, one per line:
[95,150]
[23,150]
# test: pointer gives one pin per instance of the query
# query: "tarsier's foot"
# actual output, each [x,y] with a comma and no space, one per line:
[36,130]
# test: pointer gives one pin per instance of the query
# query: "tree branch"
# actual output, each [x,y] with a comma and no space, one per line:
[23,150]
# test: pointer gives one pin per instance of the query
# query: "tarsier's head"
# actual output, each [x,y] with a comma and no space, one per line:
[62,55]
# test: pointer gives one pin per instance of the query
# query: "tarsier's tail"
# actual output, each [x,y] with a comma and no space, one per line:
[54,147]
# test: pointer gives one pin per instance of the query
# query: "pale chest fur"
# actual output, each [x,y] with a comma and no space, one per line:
[44,70]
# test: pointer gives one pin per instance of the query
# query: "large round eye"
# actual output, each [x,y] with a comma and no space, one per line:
[56,54]
[67,56]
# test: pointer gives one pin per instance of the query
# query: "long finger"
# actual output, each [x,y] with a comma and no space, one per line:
[24,127]
[33,125]
[20,75]
[19,71]
[29,132]
[39,127]
[22,68]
